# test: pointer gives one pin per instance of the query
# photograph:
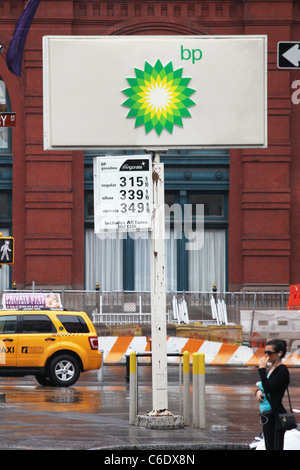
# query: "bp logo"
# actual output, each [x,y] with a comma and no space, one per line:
[158,97]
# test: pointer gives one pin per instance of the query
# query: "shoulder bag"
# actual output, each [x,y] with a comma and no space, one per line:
[286,421]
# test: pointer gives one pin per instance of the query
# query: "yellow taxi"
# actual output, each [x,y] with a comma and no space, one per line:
[53,345]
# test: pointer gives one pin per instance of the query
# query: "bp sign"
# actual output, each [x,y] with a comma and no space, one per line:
[158,97]
[154,92]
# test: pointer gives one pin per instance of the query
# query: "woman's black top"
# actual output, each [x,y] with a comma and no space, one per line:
[275,386]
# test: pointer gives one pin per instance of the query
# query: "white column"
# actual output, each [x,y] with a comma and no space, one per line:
[158,291]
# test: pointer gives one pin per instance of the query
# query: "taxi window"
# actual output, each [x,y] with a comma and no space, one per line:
[37,324]
[8,324]
[73,323]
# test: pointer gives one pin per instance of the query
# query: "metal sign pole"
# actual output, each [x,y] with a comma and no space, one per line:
[158,291]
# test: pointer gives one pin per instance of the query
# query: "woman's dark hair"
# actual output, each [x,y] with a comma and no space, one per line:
[279,345]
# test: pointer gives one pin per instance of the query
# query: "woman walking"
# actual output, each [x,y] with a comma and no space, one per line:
[272,386]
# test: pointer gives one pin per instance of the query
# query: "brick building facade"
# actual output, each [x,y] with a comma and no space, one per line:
[44,196]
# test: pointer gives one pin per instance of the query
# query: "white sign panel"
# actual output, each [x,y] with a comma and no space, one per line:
[122,193]
[154,92]
[29,300]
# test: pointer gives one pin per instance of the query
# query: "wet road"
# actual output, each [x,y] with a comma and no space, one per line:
[93,414]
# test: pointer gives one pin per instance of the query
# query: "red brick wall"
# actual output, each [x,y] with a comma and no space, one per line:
[264,201]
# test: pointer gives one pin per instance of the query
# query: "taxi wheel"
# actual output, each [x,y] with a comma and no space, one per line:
[64,370]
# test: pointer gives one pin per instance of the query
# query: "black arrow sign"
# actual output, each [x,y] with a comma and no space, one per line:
[288,55]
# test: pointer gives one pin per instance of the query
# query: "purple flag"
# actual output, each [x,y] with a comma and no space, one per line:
[16,47]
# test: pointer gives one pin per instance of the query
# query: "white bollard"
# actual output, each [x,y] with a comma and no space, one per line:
[132,388]
[195,390]
[100,371]
[186,388]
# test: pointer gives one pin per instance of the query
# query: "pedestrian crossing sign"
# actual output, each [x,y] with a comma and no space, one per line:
[6,250]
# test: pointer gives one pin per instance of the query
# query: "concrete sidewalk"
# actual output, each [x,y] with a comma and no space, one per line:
[95,415]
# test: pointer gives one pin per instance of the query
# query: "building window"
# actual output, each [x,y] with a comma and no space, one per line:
[151,9]
[189,269]
[164,10]
[110,10]
[123,261]
[205,11]
[208,265]
[103,262]
[111,262]
[5,183]
[5,132]
[4,206]
[219,10]
[213,203]
[96,9]
[191,10]
[177,11]
[137,10]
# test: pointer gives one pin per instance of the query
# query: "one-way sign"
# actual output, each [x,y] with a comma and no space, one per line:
[288,55]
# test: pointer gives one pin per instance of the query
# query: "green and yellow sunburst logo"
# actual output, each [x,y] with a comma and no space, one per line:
[158,97]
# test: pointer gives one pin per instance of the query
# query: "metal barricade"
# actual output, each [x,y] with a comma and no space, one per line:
[198,383]
[132,376]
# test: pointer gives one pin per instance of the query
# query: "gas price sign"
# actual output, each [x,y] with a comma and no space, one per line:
[122,193]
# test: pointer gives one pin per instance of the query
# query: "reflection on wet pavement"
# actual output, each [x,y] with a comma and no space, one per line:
[94,414]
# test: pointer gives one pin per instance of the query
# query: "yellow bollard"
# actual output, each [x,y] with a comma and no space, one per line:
[199,390]
[201,363]
[186,362]
[201,379]
[132,362]
[186,388]
[132,388]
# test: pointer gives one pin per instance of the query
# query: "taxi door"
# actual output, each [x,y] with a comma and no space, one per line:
[36,340]
[8,340]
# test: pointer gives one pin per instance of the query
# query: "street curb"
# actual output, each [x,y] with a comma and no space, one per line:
[178,447]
